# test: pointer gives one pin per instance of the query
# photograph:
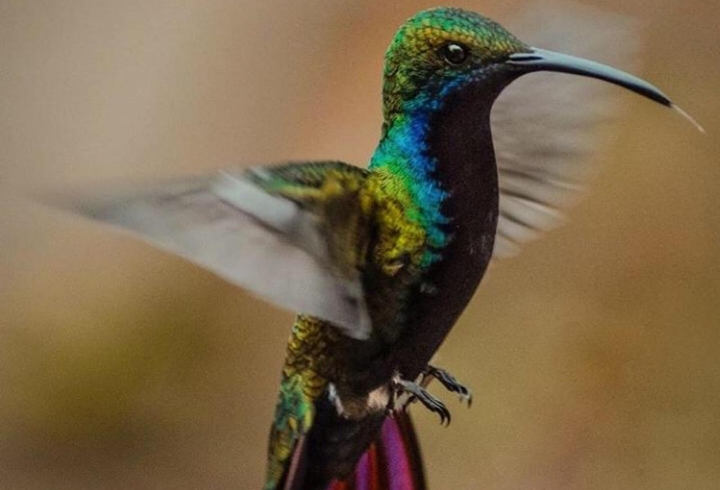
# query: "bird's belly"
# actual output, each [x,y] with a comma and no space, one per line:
[433,313]
[358,406]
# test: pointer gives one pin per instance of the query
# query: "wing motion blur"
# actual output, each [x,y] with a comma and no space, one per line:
[259,229]
[543,136]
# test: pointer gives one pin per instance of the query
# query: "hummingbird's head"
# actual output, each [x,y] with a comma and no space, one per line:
[442,51]
[438,51]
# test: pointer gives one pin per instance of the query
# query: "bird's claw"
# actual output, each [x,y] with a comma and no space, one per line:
[449,382]
[419,393]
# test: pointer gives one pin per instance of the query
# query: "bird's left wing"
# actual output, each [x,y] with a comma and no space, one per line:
[267,230]
[546,126]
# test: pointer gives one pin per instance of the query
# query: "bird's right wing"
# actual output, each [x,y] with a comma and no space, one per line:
[545,126]
[266,230]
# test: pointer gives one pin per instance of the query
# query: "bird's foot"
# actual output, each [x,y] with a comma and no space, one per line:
[448,381]
[420,394]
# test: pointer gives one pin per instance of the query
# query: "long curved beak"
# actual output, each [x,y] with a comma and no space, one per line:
[544,60]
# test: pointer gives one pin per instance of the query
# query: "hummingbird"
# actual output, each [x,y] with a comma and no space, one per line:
[381,261]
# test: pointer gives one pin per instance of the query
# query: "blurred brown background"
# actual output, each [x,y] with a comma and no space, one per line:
[593,355]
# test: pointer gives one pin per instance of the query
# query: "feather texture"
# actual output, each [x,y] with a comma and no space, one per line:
[393,462]
[231,225]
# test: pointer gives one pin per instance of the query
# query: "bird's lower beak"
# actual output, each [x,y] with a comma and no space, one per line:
[544,60]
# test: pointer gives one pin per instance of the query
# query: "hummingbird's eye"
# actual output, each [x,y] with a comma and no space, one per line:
[454,53]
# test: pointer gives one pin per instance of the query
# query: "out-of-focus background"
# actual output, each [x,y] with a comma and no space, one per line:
[593,355]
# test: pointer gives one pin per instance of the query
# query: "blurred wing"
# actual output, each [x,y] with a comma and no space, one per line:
[231,225]
[545,125]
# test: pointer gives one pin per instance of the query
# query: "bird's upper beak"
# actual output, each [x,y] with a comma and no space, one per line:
[543,60]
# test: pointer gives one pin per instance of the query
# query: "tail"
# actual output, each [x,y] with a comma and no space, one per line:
[392,462]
